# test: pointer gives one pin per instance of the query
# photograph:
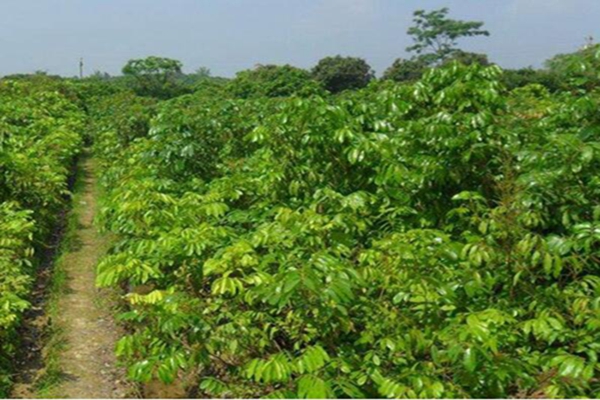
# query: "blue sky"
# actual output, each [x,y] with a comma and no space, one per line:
[230,35]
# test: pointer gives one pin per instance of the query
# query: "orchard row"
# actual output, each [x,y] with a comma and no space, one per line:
[434,239]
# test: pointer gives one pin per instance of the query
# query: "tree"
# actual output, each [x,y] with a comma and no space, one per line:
[577,70]
[199,75]
[468,58]
[154,76]
[342,73]
[436,36]
[516,78]
[272,81]
[211,87]
[100,76]
[403,70]
[202,72]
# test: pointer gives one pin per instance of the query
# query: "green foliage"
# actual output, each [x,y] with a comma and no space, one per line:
[516,78]
[467,58]
[573,71]
[16,257]
[213,87]
[272,81]
[39,137]
[435,35]
[37,78]
[124,114]
[405,70]
[338,73]
[154,76]
[436,239]
[199,75]
[578,70]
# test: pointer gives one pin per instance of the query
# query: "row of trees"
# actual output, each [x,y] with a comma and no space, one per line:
[435,43]
[40,136]
[435,239]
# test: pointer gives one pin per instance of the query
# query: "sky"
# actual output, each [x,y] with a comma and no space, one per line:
[227,36]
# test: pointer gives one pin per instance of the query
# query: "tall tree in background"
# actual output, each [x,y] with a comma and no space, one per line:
[435,35]
[435,43]
[154,76]
[339,73]
[403,70]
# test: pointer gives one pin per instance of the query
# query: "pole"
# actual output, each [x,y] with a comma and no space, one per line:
[81,68]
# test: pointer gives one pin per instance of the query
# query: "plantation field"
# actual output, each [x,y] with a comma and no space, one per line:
[438,238]
[40,134]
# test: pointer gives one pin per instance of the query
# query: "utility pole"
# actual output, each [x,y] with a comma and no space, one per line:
[81,68]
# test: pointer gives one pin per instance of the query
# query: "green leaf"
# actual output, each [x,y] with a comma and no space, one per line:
[470,360]
[312,387]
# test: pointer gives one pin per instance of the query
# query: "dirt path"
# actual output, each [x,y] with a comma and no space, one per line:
[88,361]
[84,313]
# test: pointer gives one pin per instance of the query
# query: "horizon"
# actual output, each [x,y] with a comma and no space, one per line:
[228,36]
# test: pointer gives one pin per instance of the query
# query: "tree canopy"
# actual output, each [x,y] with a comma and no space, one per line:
[468,58]
[579,69]
[272,81]
[403,70]
[154,76]
[342,73]
[435,35]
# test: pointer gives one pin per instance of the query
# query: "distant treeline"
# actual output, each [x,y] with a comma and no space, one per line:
[434,34]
